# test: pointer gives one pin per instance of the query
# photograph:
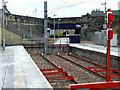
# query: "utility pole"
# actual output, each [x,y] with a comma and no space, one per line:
[54,26]
[104,15]
[45,27]
[3,24]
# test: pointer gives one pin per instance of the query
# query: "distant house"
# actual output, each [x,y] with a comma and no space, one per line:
[98,13]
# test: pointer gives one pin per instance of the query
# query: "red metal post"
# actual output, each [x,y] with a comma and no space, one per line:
[96,86]
[108,49]
[108,61]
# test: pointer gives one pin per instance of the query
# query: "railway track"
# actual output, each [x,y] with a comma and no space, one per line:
[56,75]
[80,74]
[81,64]
[64,69]
[92,67]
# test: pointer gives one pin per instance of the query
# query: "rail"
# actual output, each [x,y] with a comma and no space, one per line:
[97,74]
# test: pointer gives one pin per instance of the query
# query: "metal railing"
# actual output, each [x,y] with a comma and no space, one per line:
[40,42]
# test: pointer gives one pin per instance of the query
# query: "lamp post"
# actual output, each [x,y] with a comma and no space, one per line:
[35,12]
[104,14]
[105,26]
[58,26]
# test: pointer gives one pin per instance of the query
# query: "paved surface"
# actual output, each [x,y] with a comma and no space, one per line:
[89,46]
[98,48]
[19,71]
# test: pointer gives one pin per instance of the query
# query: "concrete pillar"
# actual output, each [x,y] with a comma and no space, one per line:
[45,28]
[0,35]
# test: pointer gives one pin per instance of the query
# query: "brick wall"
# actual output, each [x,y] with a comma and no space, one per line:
[51,49]
[30,27]
[97,57]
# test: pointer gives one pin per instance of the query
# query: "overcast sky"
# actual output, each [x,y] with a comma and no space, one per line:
[62,8]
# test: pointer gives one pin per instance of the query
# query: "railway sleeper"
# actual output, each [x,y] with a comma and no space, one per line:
[61,78]
[113,74]
[56,71]
[52,69]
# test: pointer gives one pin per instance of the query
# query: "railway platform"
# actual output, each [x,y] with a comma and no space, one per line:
[19,71]
[115,51]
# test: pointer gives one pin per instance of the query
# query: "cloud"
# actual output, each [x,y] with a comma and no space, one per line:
[23,7]
[26,7]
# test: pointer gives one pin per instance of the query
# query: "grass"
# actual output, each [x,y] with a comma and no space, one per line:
[61,33]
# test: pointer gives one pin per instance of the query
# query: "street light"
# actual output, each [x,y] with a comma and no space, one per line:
[104,14]
[35,12]
[105,26]
[58,26]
